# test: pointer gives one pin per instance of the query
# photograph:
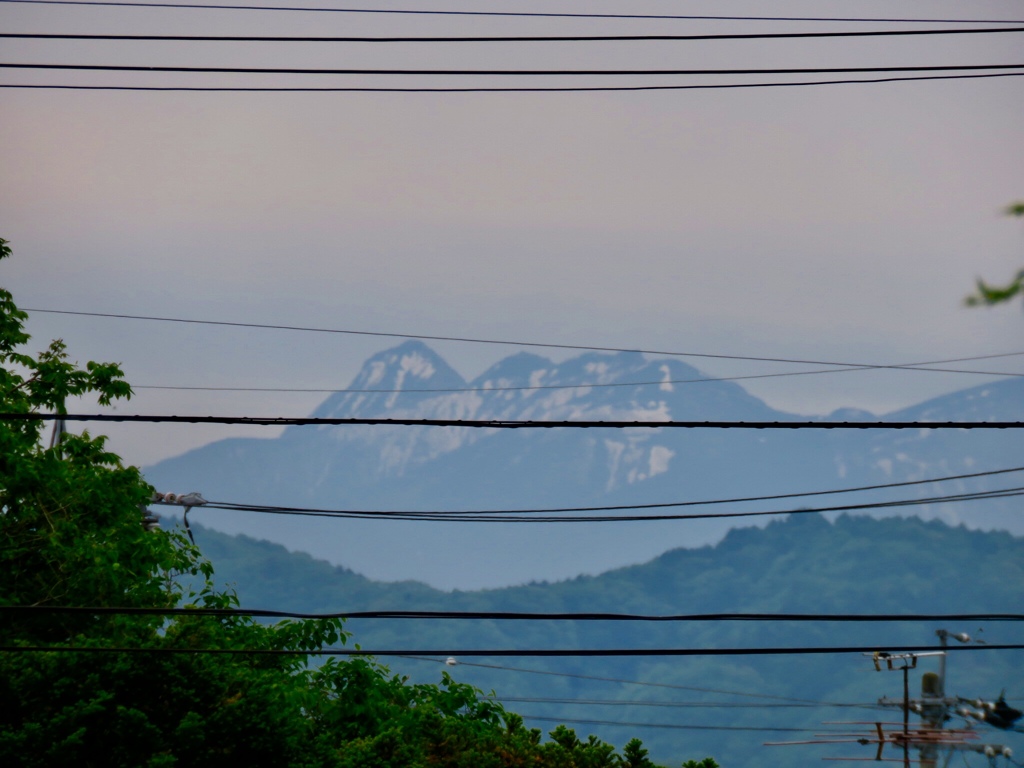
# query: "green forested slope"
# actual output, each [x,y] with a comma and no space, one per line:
[804,564]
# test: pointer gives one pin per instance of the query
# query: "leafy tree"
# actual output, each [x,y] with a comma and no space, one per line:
[72,533]
[91,687]
[990,295]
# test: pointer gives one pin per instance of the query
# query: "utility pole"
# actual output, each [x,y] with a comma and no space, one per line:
[930,738]
[935,708]
[944,636]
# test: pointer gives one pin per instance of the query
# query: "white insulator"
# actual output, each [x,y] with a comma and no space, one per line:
[170,498]
[990,751]
[1007,753]
[450,661]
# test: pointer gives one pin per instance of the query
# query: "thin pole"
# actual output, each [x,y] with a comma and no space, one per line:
[944,641]
[906,715]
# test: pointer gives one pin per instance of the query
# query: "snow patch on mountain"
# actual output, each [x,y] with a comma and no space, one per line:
[376,371]
[666,381]
[659,459]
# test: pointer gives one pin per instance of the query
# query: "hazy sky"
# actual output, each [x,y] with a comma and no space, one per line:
[833,222]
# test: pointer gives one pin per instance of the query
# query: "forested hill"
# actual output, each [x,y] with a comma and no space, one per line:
[802,564]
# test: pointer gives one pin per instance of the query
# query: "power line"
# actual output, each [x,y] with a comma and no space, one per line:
[506,342]
[513,13]
[505,38]
[663,505]
[460,518]
[508,424]
[521,89]
[683,727]
[674,704]
[600,679]
[503,72]
[582,385]
[787,700]
[597,385]
[501,615]
[515,652]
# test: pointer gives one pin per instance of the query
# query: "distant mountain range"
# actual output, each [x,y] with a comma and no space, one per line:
[454,468]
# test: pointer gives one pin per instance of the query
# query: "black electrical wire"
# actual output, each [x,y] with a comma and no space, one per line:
[786,701]
[511,13]
[582,385]
[449,518]
[662,505]
[517,652]
[681,726]
[505,38]
[502,615]
[505,342]
[503,72]
[674,704]
[521,89]
[592,385]
[451,661]
[283,421]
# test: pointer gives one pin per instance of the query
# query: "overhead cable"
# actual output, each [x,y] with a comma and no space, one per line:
[674,704]
[487,89]
[283,421]
[667,504]
[502,72]
[515,652]
[487,389]
[223,7]
[503,615]
[460,518]
[682,726]
[616,680]
[502,342]
[503,38]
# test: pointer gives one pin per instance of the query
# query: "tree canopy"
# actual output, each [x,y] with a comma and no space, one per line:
[89,687]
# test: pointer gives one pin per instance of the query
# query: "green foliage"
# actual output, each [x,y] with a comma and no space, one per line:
[990,295]
[635,755]
[72,533]
[71,526]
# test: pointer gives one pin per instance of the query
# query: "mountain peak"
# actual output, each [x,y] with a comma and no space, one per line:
[516,369]
[395,373]
[409,366]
